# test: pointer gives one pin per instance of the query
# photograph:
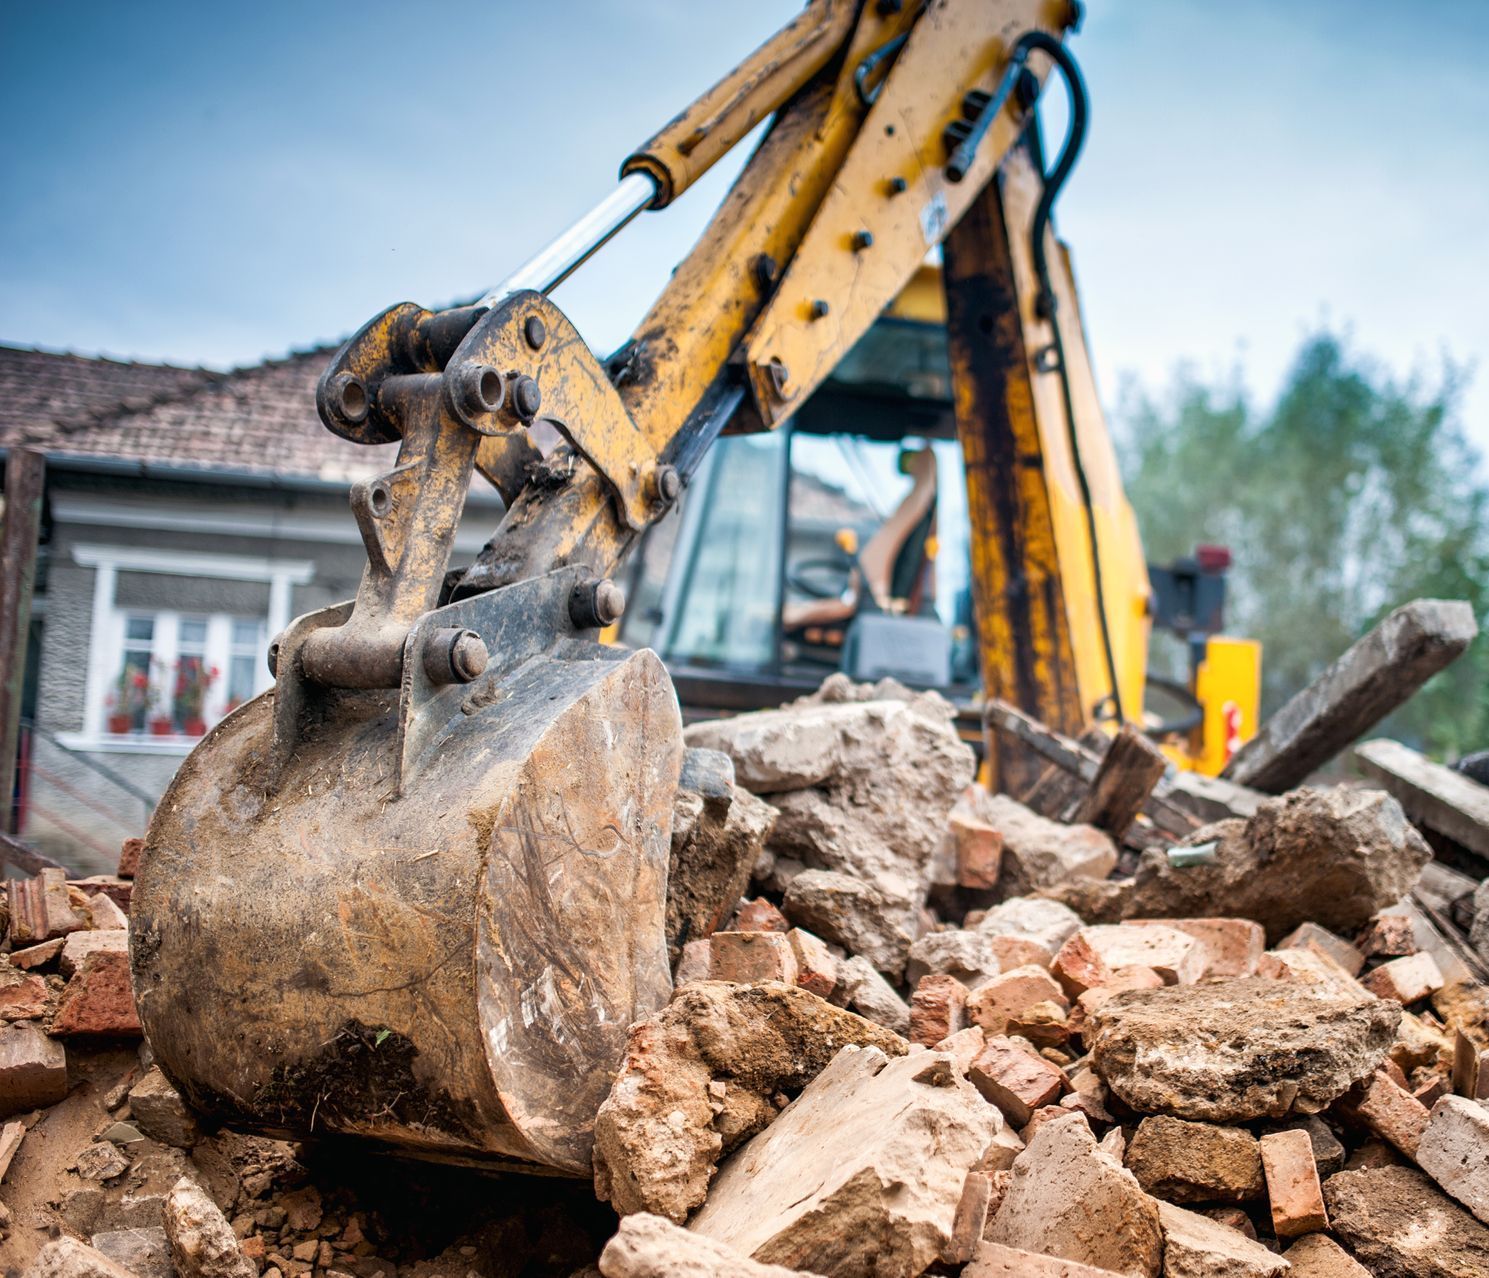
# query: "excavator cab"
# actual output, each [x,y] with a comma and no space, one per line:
[839,542]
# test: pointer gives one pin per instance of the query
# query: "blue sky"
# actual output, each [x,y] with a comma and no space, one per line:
[217,183]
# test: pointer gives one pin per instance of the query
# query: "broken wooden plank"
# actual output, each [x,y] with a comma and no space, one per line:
[1080,761]
[25,484]
[1124,781]
[1372,678]
[1432,795]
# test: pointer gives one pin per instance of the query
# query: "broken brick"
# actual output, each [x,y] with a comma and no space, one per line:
[1388,936]
[745,957]
[37,955]
[1470,1068]
[1186,1162]
[1078,967]
[759,915]
[1233,947]
[1407,980]
[99,999]
[33,1069]
[22,997]
[79,945]
[979,852]
[1293,1188]
[991,1004]
[816,969]
[938,1008]
[1016,1081]
[971,1218]
[1309,936]
[42,908]
[1177,957]
[129,857]
[1388,1111]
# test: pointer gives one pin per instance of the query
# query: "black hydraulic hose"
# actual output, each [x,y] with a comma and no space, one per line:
[1045,305]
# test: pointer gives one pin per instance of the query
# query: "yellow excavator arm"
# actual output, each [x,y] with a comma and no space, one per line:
[422,879]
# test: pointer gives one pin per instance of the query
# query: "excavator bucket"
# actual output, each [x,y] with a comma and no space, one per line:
[416,892]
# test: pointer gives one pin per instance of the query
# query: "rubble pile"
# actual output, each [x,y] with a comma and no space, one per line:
[917,1028]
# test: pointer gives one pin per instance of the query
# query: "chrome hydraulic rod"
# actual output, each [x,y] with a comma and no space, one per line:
[550,266]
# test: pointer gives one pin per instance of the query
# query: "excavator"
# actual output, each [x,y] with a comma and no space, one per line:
[414,893]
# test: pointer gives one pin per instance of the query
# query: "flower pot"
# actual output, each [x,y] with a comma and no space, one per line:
[162,728]
[119,724]
[194,727]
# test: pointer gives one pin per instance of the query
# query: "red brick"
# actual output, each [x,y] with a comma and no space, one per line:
[1293,1189]
[99,1000]
[1388,1111]
[816,969]
[759,916]
[979,852]
[1407,980]
[938,1008]
[1009,993]
[1078,967]
[129,857]
[1015,1080]
[751,956]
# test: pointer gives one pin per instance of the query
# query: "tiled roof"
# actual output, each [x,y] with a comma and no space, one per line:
[260,419]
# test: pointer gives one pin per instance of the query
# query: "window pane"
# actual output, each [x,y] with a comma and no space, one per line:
[188,703]
[139,628]
[192,634]
[246,633]
[240,674]
[131,695]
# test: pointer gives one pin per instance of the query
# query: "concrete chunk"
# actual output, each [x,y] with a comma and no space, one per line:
[853,913]
[652,1247]
[66,1257]
[1319,1256]
[883,1144]
[1038,852]
[158,1110]
[993,1260]
[1067,1199]
[144,1251]
[1196,1246]
[202,1243]
[699,1077]
[1030,918]
[1177,957]
[1398,1224]
[867,992]
[1233,1051]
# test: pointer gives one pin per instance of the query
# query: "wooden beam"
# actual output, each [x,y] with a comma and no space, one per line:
[24,857]
[25,482]
[1372,678]
[1432,795]
[1130,768]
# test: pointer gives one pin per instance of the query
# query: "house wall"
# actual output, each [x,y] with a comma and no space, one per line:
[87,790]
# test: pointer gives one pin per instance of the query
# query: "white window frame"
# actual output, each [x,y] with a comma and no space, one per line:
[106,636]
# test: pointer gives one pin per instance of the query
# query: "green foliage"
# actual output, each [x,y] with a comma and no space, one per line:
[1355,493]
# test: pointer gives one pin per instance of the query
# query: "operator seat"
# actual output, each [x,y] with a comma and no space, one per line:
[890,563]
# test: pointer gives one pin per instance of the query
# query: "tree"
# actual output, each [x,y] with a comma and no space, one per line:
[1354,493]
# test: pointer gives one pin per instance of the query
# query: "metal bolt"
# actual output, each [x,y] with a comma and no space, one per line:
[665,484]
[819,308]
[273,656]
[454,655]
[527,398]
[475,391]
[779,376]
[596,603]
[349,398]
[897,185]
[862,240]
[765,268]
[534,331]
